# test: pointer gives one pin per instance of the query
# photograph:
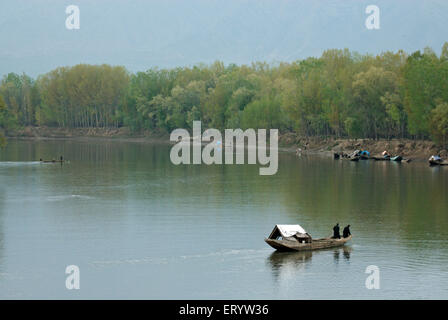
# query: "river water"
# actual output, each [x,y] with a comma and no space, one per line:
[139,227]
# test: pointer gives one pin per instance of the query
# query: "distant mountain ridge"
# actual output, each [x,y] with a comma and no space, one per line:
[144,34]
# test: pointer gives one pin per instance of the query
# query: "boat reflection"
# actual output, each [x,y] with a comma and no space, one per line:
[283,264]
[286,265]
[346,252]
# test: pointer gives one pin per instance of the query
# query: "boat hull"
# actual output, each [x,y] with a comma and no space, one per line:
[338,156]
[52,161]
[438,163]
[380,159]
[317,244]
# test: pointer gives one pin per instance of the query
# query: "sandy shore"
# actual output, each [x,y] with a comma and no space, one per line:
[419,150]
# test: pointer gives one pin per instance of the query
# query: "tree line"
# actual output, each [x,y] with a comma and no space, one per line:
[340,94]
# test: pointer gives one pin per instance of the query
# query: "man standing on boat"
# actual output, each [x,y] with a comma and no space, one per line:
[336,234]
[346,232]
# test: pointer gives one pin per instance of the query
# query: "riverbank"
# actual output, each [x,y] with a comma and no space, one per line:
[419,150]
[289,142]
[115,134]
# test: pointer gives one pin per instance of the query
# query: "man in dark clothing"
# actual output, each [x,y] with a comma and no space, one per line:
[336,234]
[346,232]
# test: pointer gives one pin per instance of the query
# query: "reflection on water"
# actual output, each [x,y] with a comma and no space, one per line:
[290,263]
[346,251]
[287,263]
[140,227]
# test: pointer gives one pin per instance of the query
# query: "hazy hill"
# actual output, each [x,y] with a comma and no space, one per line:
[142,34]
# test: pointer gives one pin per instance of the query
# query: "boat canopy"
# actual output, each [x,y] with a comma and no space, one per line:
[365,153]
[287,230]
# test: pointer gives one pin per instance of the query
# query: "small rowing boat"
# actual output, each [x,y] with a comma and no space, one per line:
[52,161]
[324,243]
[438,163]
[381,158]
[343,156]
[61,160]
[364,155]
[436,160]
[396,158]
[295,238]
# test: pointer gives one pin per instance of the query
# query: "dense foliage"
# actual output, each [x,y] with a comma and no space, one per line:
[341,94]
[3,112]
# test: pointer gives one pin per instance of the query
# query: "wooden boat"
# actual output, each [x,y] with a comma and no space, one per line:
[52,161]
[396,158]
[438,163]
[350,158]
[295,238]
[380,159]
[342,156]
[364,155]
[316,244]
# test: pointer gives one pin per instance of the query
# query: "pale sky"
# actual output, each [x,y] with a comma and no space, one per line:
[169,33]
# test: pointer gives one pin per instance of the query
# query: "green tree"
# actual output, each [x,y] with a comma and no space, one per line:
[4,122]
[425,80]
[83,96]
[353,127]
[368,89]
[262,114]
[439,124]
[341,93]
[21,97]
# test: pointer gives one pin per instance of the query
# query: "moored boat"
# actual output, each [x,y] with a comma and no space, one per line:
[295,238]
[387,158]
[343,156]
[438,163]
[364,155]
[52,161]
[396,158]
[60,160]
[380,159]
[436,160]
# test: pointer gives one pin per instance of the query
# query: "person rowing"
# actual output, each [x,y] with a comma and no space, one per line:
[346,232]
[336,234]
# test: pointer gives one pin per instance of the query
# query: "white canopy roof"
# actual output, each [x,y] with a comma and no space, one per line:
[288,230]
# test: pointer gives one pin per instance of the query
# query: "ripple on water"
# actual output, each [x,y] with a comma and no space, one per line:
[9,164]
[68,197]
[224,253]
